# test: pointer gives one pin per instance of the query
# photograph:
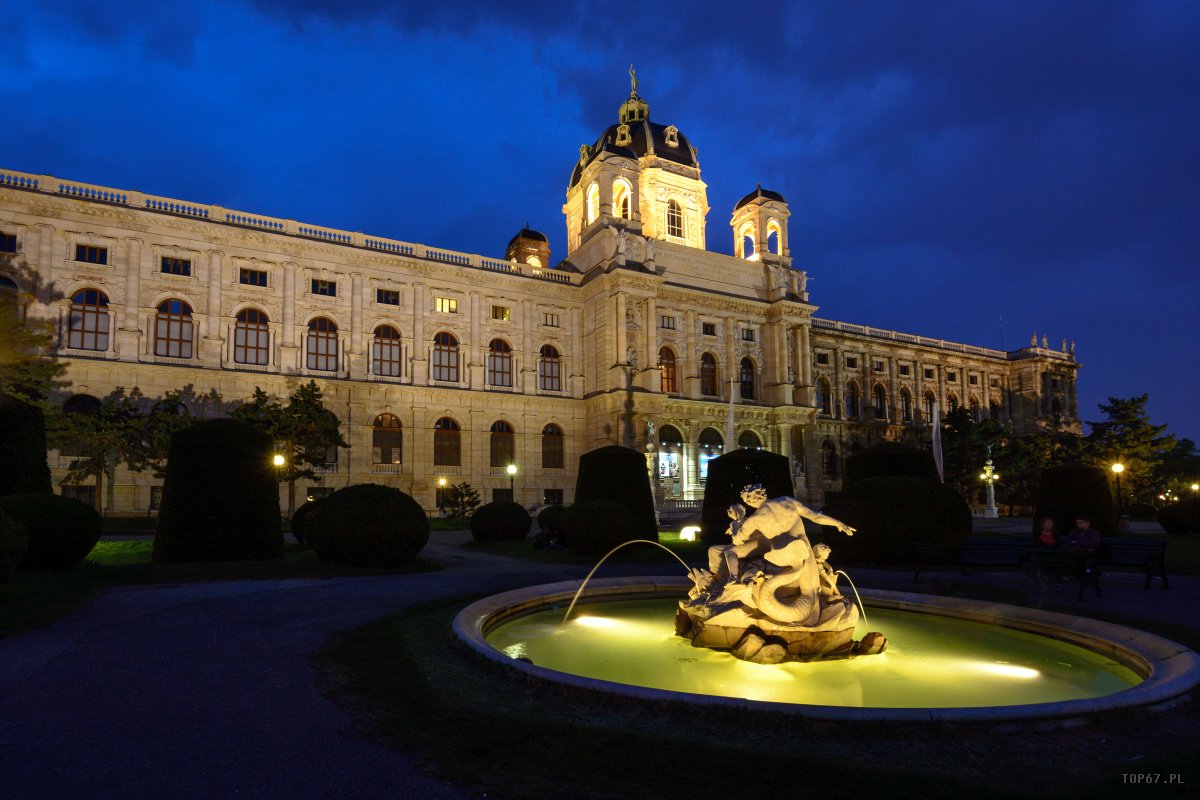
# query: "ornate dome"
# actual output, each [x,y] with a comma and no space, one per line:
[765,194]
[635,137]
[529,247]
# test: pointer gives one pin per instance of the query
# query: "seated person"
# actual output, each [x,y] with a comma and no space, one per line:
[1047,535]
[1084,540]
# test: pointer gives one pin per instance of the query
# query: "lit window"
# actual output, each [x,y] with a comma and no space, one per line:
[445,357]
[251,337]
[502,313]
[666,360]
[322,347]
[325,288]
[385,352]
[593,203]
[549,369]
[176,266]
[446,305]
[674,219]
[387,297]
[87,325]
[91,254]
[173,329]
[252,277]
[622,198]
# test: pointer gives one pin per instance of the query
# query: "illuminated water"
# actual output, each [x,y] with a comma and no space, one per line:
[931,661]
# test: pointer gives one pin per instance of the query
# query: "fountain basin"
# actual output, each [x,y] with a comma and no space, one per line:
[1167,671]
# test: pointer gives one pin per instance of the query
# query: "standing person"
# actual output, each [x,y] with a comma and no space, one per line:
[1047,535]
[1083,539]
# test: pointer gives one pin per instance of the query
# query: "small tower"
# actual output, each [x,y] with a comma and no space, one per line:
[760,227]
[529,247]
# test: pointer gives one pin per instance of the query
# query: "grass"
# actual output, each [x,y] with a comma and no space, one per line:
[32,600]
[411,684]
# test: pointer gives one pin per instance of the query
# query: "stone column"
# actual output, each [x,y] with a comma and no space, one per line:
[214,341]
[288,349]
[650,378]
[529,354]
[619,337]
[357,360]
[687,370]
[129,333]
[732,368]
[478,347]
[420,346]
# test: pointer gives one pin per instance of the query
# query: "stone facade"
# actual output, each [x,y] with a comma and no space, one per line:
[640,332]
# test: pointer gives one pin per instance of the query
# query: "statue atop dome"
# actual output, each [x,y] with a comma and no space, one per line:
[633,81]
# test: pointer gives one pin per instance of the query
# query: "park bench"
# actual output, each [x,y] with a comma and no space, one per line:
[1148,554]
[972,552]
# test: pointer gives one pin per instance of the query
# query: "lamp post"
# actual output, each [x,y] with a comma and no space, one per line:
[989,477]
[1117,469]
[279,460]
[512,478]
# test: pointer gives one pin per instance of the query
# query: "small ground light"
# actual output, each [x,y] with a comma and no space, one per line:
[689,533]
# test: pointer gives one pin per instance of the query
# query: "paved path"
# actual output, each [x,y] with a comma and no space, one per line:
[206,691]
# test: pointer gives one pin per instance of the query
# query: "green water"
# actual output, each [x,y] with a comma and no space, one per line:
[931,662]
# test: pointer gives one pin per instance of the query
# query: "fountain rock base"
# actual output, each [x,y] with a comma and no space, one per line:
[767,643]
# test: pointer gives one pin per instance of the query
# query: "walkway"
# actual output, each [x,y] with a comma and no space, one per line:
[206,691]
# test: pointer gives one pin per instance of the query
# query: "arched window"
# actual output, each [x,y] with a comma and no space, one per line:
[593,203]
[445,357]
[994,410]
[951,402]
[824,397]
[906,407]
[708,375]
[323,344]
[928,402]
[447,443]
[674,219]
[387,437]
[829,465]
[711,446]
[975,409]
[251,338]
[499,363]
[549,369]
[853,401]
[745,242]
[8,289]
[622,198]
[880,397]
[173,329]
[552,447]
[385,352]
[666,360]
[87,325]
[750,440]
[774,238]
[502,447]
[746,378]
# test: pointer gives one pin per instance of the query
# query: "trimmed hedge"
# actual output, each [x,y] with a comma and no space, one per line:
[1180,518]
[13,543]
[502,520]
[220,495]
[368,525]
[619,474]
[890,460]
[301,518]
[550,520]
[889,514]
[596,526]
[23,467]
[728,474]
[61,530]
[1068,491]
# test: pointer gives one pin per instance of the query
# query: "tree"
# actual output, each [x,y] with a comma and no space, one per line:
[1127,436]
[28,370]
[460,501]
[965,445]
[304,430]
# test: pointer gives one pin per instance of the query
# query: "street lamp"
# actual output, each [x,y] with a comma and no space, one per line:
[1117,469]
[279,460]
[512,477]
[989,476]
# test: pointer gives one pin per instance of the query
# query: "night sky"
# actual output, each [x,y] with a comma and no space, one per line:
[968,171]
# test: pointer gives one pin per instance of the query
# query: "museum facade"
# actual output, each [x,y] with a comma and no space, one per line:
[445,366]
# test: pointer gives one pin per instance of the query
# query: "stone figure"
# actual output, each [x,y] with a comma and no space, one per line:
[633,81]
[770,595]
[1072,347]
[631,358]
[1064,345]
[1045,341]
[1033,339]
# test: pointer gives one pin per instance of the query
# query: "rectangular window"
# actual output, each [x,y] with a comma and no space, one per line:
[822,358]
[552,497]
[708,328]
[973,380]
[252,277]
[550,320]
[176,266]
[928,374]
[666,322]
[851,362]
[747,334]
[877,366]
[91,254]
[1055,383]
[952,377]
[445,305]
[8,243]
[502,313]
[995,383]
[326,288]
[905,370]
[388,297]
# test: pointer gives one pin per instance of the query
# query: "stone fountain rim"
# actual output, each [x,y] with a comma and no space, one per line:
[1169,670]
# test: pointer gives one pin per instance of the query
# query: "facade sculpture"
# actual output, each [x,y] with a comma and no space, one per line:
[770,595]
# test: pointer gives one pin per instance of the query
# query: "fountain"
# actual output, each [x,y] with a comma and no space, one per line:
[764,626]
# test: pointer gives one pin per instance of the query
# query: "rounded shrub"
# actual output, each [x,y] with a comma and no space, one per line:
[368,525]
[13,543]
[1065,493]
[889,514]
[61,531]
[301,518]
[502,520]
[619,474]
[728,474]
[1180,518]
[890,460]
[220,495]
[23,467]
[594,527]
[550,520]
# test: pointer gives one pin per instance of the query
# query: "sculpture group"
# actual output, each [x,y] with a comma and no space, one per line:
[770,595]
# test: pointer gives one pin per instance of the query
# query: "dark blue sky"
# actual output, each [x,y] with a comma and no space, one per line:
[969,171]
